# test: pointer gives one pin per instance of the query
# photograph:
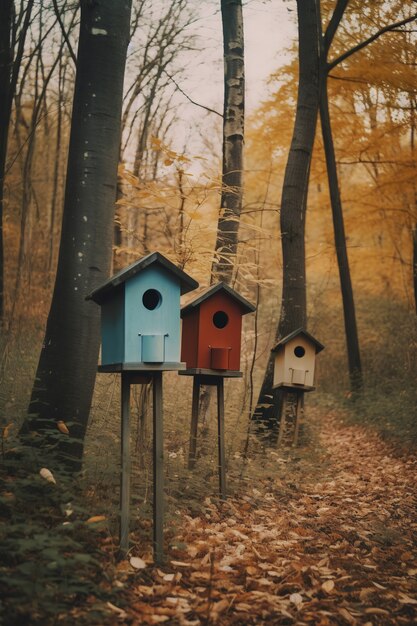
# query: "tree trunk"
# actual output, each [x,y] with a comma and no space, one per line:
[294,198]
[55,178]
[351,331]
[6,65]
[233,139]
[67,366]
[415,266]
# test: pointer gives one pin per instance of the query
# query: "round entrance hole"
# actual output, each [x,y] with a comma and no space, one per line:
[299,351]
[220,319]
[151,299]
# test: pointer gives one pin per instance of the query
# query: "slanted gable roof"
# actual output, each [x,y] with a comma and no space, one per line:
[245,306]
[186,282]
[300,331]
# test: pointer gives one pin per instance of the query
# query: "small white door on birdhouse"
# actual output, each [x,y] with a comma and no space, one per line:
[295,357]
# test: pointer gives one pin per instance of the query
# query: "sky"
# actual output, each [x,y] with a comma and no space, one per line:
[270,27]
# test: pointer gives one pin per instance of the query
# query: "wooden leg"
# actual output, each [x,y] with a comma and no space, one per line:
[220,423]
[125,466]
[158,470]
[282,421]
[194,424]
[298,411]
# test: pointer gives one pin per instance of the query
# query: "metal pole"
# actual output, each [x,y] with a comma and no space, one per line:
[194,424]
[158,470]
[125,465]
[220,423]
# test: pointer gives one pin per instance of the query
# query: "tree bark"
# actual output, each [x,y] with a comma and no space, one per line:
[351,330]
[6,64]
[233,141]
[293,200]
[415,266]
[67,366]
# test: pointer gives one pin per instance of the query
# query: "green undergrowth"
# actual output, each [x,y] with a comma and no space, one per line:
[392,412]
[52,565]
[388,399]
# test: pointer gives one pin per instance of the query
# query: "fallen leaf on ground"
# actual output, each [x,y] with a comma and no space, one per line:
[137,562]
[47,475]
[328,586]
[95,518]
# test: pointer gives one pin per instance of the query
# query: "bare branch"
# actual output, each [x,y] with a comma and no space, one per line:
[64,32]
[366,42]
[202,106]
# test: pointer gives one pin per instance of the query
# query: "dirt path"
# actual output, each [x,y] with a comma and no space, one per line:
[330,542]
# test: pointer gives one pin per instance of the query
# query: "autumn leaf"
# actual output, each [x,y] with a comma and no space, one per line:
[137,562]
[405,599]
[297,599]
[347,616]
[47,475]
[95,519]
[6,430]
[328,586]
[115,609]
[374,610]
[62,427]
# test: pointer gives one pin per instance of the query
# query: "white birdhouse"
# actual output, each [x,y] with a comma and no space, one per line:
[295,358]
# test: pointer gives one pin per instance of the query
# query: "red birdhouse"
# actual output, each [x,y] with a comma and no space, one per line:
[211,329]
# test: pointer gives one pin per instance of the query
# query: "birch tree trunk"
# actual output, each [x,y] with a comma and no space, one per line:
[294,199]
[233,140]
[67,366]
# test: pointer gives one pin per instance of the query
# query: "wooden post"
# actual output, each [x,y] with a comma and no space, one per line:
[220,423]
[194,423]
[158,470]
[300,398]
[282,422]
[125,466]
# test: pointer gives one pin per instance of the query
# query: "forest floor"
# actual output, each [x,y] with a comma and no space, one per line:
[331,540]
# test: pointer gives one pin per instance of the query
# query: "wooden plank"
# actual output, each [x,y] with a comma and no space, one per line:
[283,417]
[290,387]
[194,424]
[298,412]
[140,367]
[220,424]
[125,466]
[198,371]
[158,470]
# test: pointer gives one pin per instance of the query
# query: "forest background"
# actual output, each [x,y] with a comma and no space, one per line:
[169,185]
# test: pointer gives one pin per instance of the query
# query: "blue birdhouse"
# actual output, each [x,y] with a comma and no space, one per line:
[140,315]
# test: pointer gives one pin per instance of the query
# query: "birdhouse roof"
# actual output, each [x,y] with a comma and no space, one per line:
[186,282]
[245,306]
[300,331]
